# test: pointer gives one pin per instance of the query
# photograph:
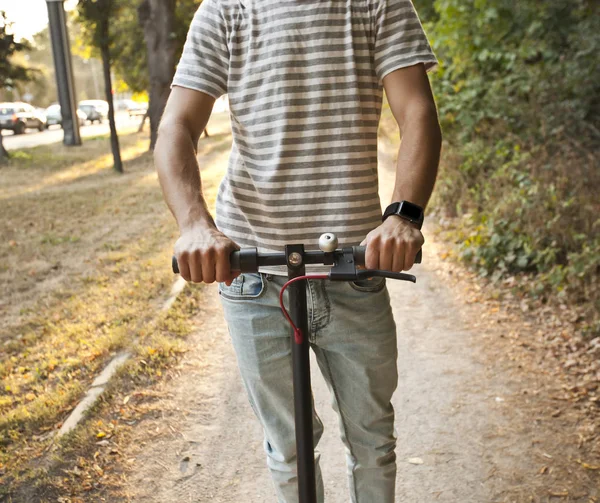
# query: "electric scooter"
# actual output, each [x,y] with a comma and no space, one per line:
[345,265]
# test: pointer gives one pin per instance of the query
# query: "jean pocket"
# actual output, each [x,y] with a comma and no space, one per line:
[375,284]
[246,286]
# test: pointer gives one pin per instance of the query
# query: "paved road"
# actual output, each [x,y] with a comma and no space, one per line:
[33,138]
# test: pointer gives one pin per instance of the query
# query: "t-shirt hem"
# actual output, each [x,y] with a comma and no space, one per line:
[431,64]
[196,88]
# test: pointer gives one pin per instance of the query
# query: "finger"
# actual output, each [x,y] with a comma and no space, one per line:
[234,275]
[209,266]
[386,255]
[184,268]
[409,258]
[195,266]
[398,261]
[372,255]
[223,267]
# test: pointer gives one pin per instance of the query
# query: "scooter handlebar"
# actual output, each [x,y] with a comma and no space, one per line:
[250,258]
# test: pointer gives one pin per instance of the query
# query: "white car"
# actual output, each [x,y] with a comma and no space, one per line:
[100,105]
[54,116]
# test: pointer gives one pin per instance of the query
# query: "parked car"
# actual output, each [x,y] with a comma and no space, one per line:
[92,113]
[136,108]
[19,116]
[53,116]
[41,113]
[100,105]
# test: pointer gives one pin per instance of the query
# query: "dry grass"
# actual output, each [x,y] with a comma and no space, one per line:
[84,271]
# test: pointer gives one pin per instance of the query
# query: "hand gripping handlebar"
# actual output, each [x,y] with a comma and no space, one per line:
[344,261]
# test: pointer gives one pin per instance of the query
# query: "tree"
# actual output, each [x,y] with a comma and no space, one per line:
[158,20]
[10,74]
[96,16]
[162,27]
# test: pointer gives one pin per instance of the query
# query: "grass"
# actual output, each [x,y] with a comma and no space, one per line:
[85,270]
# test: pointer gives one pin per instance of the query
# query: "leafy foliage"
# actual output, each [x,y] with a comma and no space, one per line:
[11,73]
[519,100]
[93,15]
[129,54]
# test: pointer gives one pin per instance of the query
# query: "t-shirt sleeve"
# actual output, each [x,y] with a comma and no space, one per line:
[400,40]
[204,64]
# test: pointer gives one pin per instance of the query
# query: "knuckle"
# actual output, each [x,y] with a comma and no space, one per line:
[182,256]
[210,253]
[387,245]
[196,255]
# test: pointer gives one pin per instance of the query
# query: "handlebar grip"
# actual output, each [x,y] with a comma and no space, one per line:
[234,260]
[360,251]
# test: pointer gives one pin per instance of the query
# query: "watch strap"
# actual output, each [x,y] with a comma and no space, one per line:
[405,210]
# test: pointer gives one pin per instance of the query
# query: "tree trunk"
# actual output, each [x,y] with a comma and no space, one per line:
[4,155]
[157,18]
[114,139]
[141,128]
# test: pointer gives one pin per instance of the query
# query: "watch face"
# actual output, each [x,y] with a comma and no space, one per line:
[412,211]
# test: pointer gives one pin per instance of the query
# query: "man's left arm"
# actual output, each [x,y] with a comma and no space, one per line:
[394,244]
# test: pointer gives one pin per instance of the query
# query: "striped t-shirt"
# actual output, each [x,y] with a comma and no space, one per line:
[304,79]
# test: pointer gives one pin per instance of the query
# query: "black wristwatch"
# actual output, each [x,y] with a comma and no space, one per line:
[408,211]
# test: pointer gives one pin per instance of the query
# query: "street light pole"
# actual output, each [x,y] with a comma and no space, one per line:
[61,51]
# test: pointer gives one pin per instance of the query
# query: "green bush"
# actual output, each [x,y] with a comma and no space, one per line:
[519,100]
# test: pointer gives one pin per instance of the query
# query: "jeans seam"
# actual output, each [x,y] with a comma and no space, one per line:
[312,326]
[342,418]
[327,305]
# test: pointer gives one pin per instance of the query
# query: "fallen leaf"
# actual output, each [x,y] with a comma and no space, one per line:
[100,434]
[588,466]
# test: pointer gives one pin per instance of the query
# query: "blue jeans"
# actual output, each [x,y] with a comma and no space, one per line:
[353,335]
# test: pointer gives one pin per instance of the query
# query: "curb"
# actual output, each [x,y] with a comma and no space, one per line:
[99,384]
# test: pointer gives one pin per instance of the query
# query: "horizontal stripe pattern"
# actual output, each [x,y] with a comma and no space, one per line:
[304,80]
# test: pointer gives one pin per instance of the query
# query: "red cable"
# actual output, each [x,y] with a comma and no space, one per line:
[298,337]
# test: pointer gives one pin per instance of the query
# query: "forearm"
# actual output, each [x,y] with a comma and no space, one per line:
[179,176]
[418,156]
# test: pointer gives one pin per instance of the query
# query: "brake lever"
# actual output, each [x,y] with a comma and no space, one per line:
[370,273]
[344,269]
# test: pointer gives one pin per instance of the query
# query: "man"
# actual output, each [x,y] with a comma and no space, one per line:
[305,80]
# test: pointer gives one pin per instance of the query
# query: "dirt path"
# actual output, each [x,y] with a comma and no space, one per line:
[446,410]
[466,417]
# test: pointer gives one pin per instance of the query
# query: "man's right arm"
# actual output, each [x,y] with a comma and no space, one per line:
[202,251]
